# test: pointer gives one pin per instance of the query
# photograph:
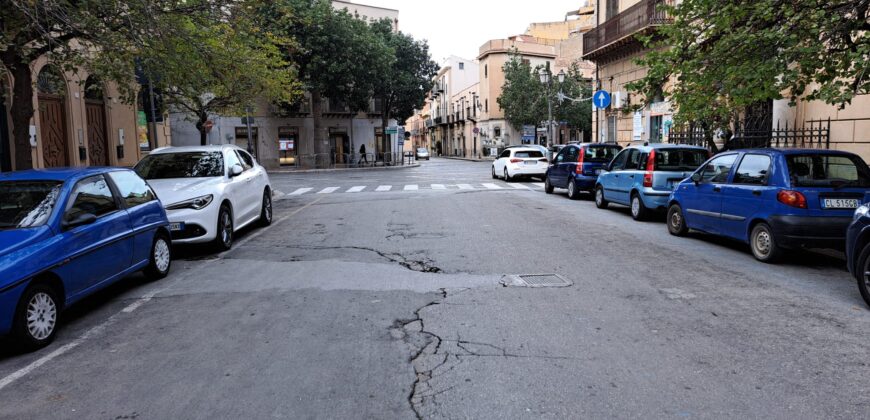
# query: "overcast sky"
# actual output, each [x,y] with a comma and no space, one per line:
[460,27]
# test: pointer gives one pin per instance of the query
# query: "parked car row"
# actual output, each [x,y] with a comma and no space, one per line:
[774,200]
[68,233]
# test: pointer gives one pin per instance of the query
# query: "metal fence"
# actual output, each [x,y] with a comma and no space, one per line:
[815,134]
[349,160]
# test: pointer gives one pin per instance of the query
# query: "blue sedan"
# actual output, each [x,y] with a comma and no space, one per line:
[65,234]
[773,199]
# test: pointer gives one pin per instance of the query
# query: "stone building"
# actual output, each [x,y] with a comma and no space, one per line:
[456,75]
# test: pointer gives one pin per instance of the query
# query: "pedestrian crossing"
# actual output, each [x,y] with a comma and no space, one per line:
[418,187]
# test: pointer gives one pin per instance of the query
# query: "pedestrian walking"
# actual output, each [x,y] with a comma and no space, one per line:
[362,154]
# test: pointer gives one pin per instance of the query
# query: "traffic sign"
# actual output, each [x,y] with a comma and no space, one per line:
[392,130]
[601,99]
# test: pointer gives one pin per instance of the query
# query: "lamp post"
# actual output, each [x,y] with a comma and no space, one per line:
[545,80]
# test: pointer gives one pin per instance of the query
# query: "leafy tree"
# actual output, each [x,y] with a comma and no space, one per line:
[577,114]
[522,98]
[69,32]
[402,87]
[721,56]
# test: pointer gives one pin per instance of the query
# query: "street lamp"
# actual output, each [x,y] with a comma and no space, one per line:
[561,76]
[545,80]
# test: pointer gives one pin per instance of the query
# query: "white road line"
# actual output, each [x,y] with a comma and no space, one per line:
[384,188]
[356,189]
[492,187]
[539,184]
[438,187]
[301,191]
[465,187]
[520,187]
[329,190]
[412,187]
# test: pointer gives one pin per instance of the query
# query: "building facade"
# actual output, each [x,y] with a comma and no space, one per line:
[79,120]
[456,75]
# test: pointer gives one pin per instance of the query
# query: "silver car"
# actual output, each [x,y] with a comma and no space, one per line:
[422,153]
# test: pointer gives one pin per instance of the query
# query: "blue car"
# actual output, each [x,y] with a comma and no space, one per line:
[642,177]
[576,167]
[67,233]
[858,250]
[773,199]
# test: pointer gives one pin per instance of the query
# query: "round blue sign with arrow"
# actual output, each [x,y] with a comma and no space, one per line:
[601,99]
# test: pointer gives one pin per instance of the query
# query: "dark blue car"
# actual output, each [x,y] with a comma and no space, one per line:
[576,167]
[858,250]
[773,199]
[64,234]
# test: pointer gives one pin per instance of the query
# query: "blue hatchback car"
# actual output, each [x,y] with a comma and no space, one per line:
[642,177]
[576,167]
[64,234]
[773,199]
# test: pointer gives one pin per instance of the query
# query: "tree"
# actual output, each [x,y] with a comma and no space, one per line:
[70,32]
[578,115]
[522,98]
[403,86]
[721,56]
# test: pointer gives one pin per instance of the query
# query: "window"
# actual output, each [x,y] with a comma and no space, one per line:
[612,9]
[91,196]
[461,66]
[134,190]
[561,157]
[27,204]
[529,154]
[485,71]
[505,154]
[753,170]
[820,170]
[287,137]
[233,159]
[717,170]
[181,165]
[242,137]
[679,159]
[246,159]
[487,105]
[571,154]
[496,132]
[600,153]
[633,159]
[619,161]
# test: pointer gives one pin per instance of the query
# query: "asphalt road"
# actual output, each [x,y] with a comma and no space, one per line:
[363,301]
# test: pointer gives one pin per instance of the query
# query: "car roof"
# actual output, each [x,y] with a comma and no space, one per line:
[774,151]
[57,174]
[527,148]
[206,148]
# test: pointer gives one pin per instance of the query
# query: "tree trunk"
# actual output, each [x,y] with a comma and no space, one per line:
[200,125]
[22,112]
[321,137]
[384,146]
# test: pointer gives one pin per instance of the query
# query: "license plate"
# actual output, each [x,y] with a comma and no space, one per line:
[531,162]
[176,227]
[840,203]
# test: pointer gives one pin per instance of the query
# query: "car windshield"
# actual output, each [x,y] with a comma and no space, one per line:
[27,204]
[679,159]
[833,171]
[421,150]
[181,165]
[600,153]
[528,154]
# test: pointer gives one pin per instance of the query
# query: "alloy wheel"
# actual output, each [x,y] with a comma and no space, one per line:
[599,196]
[41,316]
[162,255]
[227,231]
[635,206]
[267,207]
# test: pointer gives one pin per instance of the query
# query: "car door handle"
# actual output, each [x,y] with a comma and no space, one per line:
[631,176]
[717,189]
[756,193]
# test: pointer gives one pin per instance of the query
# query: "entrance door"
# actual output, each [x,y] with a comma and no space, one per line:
[339,145]
[98,140]
[52,119]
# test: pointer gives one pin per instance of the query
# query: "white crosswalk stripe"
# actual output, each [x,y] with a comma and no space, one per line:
[438,187]
[356,189]
[412,187]
[301,191]
[465,187]
[384,188]
[539,184]
[329,190]
[520,187]
[492,187]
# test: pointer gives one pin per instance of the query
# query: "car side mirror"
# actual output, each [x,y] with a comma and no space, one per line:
[84,219]
[236,170]
[696,178]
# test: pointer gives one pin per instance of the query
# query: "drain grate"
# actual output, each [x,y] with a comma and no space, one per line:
[536,280]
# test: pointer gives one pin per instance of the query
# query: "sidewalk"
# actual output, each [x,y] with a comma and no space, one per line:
[368,168]
[467,159]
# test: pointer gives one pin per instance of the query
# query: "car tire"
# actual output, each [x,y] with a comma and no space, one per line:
[676,221]
[763,244]
[639,211]
[494,176]
[36,317]
[161,257]
[600,201]
[548,187]
[572,189]
[266,209]
[507,176]
[224,239]
[861,274]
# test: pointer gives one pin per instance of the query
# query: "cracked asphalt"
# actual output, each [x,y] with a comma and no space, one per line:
[394,304]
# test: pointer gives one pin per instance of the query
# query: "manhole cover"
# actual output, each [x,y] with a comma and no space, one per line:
[536,280]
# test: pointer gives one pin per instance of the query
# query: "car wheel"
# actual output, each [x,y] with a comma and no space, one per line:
[548,187]
[572,190]
[862,274]
[600,202]
[161,257]
[763,244]
[224,239]
[494,176]
[507,177]
[638,209]
[676,221]
[36,317]
[266,209]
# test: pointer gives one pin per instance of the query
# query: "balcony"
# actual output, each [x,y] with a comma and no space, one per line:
[620,30]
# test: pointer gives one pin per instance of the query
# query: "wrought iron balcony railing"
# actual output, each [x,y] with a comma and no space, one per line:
[643,15]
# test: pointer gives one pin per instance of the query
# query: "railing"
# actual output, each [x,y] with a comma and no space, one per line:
[815,134]
[642,15]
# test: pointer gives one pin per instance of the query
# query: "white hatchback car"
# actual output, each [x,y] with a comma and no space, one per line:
[520,161]
[209,192]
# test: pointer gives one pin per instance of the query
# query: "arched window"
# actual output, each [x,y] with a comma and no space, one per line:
[94,89]
[50,82]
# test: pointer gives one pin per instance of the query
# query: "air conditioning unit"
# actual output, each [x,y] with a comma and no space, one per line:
[617,101]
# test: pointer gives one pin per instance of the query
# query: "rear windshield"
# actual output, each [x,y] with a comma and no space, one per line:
[833,171]
[600,153]
[529,154]
[421,150]
[181,165]
[27,204]
[679,159]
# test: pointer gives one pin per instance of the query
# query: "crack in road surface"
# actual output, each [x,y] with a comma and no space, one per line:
[419,265]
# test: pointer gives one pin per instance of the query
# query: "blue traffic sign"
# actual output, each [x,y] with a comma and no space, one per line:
[601,99]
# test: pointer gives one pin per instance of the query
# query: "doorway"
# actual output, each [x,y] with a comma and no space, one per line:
[52,118]
[339,145]
[95,110]
[5,148]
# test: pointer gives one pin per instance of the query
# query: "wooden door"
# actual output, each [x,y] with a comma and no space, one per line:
[98,139]
[52,119]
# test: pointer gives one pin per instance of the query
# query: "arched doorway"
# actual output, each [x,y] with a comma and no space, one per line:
[51,88]
[5,149]
[95,110]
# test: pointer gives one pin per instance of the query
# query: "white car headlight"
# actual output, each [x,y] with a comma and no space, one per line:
[861,211]
[197,203]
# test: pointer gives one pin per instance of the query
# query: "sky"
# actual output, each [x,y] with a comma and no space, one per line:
[460,27]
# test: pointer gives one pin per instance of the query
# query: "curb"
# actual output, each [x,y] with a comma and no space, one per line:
[308,171]
[466,159]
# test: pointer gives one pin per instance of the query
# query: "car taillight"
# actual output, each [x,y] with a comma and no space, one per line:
[516,160]
[792,199]
[579,169]
[650,167]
